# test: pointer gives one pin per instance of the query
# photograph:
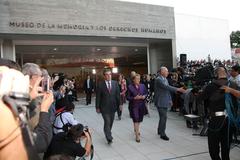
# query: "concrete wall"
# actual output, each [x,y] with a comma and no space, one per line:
[86,17]
[159,54]
[90,18]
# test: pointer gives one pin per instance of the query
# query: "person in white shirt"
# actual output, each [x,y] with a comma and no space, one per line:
[235,76]
[64,119]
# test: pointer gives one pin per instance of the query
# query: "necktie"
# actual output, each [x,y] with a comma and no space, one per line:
[109,86]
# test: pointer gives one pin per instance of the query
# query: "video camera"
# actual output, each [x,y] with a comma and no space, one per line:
[16,96]
[14,92]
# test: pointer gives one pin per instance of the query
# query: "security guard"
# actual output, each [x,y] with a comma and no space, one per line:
[218,127]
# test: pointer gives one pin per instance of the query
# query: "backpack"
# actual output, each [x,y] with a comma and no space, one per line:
[65,127]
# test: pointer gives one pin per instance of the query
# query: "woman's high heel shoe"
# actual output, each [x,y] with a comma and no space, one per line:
[137,137]
[137,140]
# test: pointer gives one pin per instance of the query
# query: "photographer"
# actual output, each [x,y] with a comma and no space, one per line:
[65,118]
[218,127]
[68,146]
[39,106]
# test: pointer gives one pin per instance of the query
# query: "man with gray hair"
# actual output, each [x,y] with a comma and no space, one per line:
[40,119]
[163,100]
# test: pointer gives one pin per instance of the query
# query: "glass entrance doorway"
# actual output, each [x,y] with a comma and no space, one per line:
[79,61]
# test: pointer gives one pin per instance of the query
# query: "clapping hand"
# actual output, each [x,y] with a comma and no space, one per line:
[181,90]
[139,97]
[226,89]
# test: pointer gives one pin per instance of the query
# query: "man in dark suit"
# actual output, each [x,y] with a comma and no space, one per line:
[107,102]
[88,88]
[163,100]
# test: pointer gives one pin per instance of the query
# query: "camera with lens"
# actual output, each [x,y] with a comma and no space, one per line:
[85,129]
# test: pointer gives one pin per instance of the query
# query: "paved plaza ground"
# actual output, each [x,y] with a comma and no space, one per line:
[182,145]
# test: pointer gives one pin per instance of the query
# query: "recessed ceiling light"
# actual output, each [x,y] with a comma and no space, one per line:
[138,63]
[94,71]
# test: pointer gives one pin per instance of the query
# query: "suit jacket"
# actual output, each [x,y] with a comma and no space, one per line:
[91,85]
[162,89]
[108,102]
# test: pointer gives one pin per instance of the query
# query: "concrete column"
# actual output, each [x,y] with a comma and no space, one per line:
[8,50]
[153,61]
[174,54]
[161,54]
[148,60]
[1,49]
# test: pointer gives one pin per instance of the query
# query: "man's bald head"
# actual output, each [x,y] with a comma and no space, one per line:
[221,72]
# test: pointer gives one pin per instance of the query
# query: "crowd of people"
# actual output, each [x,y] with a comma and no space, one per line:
[40,109]
[198,88]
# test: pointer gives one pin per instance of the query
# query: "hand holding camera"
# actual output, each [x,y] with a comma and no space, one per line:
[47,101]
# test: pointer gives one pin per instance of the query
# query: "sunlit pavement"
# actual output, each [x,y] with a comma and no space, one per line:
[182,145]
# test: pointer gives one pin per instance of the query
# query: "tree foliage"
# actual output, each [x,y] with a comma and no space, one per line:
[235,39]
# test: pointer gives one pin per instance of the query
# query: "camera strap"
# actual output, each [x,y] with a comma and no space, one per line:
[64,126]
[92,152]
[10,138]
[25,130]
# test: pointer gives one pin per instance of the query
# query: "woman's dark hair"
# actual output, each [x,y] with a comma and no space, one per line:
[59,82]
[69,106]
[76,131]
[63,102]
[10,64]
[236,68]
[60,103]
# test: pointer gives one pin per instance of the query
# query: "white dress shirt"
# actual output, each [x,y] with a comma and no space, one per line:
[67,117]
[108,83]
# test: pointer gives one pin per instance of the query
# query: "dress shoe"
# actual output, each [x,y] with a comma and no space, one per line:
[109,141]
[164,138]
